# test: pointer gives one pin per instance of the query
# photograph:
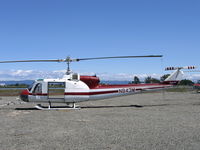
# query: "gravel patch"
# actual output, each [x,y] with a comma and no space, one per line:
[159,121]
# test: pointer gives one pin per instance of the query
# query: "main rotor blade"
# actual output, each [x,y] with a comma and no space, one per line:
[68,59]
[117,57]
[50,60]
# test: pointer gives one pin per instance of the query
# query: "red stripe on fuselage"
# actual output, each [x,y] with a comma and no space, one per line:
[91,93]
[106,92]
[124,86]
[38,94]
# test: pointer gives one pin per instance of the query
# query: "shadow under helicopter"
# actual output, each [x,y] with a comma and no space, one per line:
[124,106]
[103,106]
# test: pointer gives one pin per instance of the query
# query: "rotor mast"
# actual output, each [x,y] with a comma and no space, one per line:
[68,60]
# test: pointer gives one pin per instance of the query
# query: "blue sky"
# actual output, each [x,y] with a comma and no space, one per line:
[55,29]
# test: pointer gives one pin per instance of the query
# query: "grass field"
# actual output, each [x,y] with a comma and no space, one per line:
[10,92]
[180,89]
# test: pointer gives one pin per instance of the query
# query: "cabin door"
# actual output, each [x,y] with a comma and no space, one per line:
[56,90]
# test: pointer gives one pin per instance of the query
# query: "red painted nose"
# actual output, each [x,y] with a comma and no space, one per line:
[24,95]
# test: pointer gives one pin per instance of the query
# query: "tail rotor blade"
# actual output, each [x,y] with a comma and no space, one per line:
[186,67]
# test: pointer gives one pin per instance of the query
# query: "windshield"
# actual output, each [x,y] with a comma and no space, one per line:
[30,86]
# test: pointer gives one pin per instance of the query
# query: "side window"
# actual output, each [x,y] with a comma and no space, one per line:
[56,90]
[38,88]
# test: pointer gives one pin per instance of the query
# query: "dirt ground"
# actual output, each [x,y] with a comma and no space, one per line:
[165,120]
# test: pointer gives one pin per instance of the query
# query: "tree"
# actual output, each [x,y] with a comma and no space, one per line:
[136,80]
[186,82]
[154,80]
[149,79]
[164,77]
[17,84]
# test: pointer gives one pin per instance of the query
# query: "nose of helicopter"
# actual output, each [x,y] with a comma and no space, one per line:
[24,95]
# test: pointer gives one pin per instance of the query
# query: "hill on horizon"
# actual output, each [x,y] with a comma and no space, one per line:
[28,82]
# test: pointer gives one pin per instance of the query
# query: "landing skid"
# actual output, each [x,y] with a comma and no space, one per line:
[40,107]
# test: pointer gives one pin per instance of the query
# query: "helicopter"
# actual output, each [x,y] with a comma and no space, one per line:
[74,88]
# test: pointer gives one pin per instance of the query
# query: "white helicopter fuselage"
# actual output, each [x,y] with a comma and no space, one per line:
[75,88]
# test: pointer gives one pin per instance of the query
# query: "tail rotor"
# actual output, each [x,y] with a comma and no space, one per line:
[175,68]
[177,75]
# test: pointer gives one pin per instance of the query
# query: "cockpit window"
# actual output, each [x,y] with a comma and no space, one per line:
[30,86]
[38,88]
